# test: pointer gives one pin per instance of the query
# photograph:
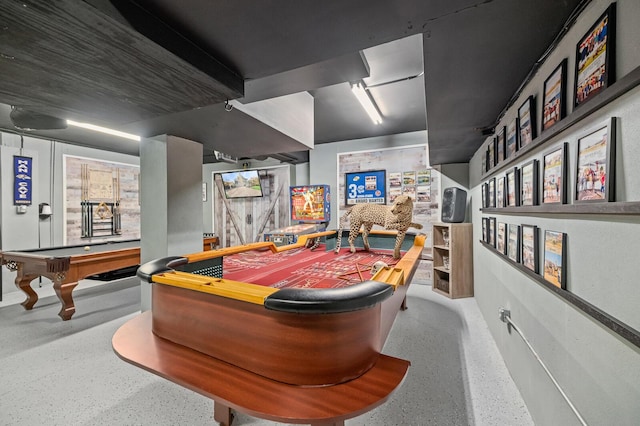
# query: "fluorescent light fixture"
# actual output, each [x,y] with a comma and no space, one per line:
[366,101]
[104,130]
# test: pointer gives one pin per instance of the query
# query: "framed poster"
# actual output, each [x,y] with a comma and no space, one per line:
[492,231]
[366,187]
[501,146]
[492,192]
[555,258]
[513,242]
[512,138]
[485,229]
[554,173]
[513,190]
[500,193]
[595,58]
[501,238]
[491,153]
[484,191]
[554,106]
[526,122]
[529,253]
[595,164]
[529,184]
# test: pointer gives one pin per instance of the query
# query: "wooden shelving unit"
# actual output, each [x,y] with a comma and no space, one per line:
[455,279]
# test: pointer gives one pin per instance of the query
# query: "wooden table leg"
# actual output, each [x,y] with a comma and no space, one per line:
[63,291]
[23,282]
[222,414]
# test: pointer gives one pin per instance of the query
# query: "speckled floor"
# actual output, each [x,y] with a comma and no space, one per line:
[55,372]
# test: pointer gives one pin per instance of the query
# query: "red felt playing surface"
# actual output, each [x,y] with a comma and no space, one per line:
[303,268]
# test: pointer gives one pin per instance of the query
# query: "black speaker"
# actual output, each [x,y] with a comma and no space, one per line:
[454,205]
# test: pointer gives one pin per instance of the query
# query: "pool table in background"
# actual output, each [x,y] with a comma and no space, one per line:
[288,354]
[67,265]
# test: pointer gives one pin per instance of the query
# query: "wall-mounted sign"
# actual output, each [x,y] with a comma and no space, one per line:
[22,167]
[366,187]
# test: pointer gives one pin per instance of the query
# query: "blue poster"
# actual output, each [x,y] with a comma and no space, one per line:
[365,187]
[22,180]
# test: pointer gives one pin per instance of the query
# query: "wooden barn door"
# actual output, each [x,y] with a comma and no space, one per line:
[245,220]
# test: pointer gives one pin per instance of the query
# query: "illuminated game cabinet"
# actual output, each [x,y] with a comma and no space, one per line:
[310,212]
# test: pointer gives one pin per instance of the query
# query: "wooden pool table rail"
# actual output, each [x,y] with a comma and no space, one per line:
[234,388]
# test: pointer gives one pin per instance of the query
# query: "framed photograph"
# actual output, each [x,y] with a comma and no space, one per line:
[492,192]
[555,258]
[554,172]
[529,184]
[554,106]
[526,122]
[483,190]
[595,58]
[501,145]
[492,231]
[484,162]
[501,238]
[513,242]
[500,193]
[595,164]
[513,189]
[512,138]
[491,153]
[529,253]
[485,226]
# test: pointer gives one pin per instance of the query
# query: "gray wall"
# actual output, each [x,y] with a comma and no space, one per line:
[599,371]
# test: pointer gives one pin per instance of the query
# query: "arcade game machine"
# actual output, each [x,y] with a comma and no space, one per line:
[310,212]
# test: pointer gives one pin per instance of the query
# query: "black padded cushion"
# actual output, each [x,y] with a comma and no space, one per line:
[329,300]
[164,264]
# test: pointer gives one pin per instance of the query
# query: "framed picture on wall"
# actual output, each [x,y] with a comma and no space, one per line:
[554,106]
[485,229]
[529,253]
[529,184]
[595,164]
[555,258]
[595,58]
[501,238]
[500,193]
[483,190]
[513,190]
[492,192]
[512,138]
[501,146]
[491,153]
[513,242]
[492,231]
[554,173]
[526,122]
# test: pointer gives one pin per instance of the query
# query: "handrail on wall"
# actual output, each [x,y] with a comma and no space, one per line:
[505,316]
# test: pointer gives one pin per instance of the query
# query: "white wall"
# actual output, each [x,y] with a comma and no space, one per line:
[599,371]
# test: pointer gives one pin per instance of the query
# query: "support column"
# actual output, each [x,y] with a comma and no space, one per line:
[171,200]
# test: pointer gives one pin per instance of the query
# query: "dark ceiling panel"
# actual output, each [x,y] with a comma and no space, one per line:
[350,67]
[83,59]
[65,58]
[475,61]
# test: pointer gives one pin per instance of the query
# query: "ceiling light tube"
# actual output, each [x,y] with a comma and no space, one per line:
[367,102]
[104,130]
